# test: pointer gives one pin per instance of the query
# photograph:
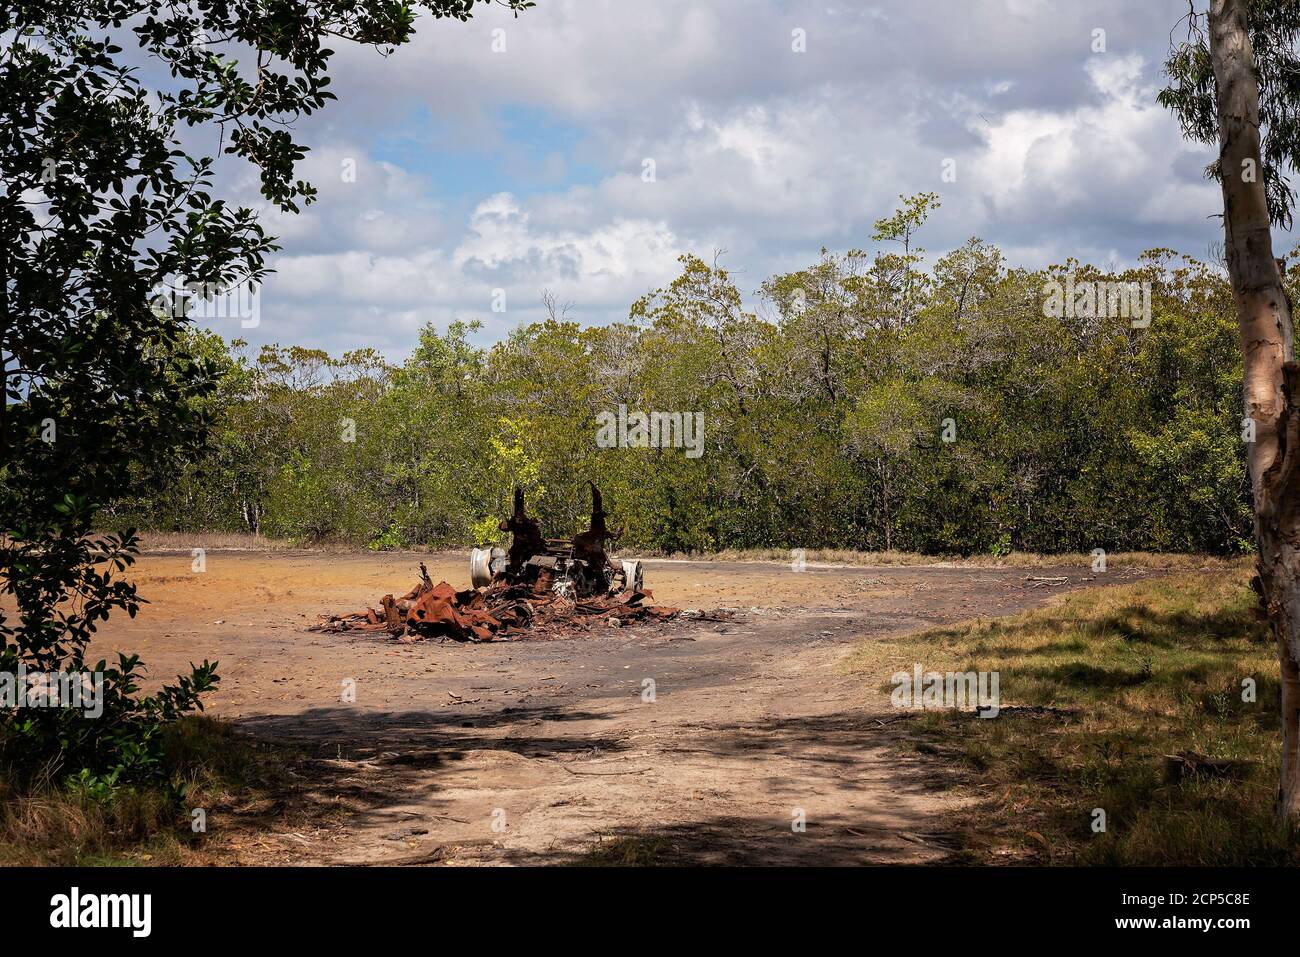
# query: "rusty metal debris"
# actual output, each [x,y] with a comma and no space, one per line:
[526,537]
[576,568]
[540,588]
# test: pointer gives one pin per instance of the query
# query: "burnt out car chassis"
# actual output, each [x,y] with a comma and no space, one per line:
[573,568]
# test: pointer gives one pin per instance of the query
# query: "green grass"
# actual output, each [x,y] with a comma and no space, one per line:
[44,823]
[629,851]
[163,542]
[1134,672]
[839,556]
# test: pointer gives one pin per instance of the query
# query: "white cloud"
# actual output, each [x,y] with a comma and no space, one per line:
[362,204]
[1085,169]
[381,298]
[761,151]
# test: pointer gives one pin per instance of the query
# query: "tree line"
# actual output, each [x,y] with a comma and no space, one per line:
[868,401]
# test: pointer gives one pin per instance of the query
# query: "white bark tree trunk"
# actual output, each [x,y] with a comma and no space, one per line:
[1271,375]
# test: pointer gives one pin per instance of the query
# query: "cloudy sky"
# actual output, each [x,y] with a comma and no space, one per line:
[521,169]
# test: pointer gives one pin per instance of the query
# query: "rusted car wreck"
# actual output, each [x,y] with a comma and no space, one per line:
[538,588]
[577,567]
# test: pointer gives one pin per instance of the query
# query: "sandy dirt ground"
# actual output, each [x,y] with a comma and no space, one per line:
[547,751]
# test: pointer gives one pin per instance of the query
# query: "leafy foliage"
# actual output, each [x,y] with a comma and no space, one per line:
[1190,95]
[105,389]
[824,415]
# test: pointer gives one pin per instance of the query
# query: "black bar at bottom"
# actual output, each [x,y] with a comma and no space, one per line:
[917,906]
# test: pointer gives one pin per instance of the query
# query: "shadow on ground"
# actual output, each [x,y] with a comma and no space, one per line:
[726,793]
[732,841]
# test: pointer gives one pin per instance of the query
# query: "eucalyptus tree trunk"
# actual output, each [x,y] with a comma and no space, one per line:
[1271,374]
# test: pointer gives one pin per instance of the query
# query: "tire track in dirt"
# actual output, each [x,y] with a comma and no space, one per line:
[547,752]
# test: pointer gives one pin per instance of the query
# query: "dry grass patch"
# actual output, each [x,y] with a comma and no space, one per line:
[1120,676]
[43,822]
[832,556]
[211,541]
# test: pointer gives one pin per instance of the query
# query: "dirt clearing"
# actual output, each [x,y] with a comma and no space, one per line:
[659,742]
